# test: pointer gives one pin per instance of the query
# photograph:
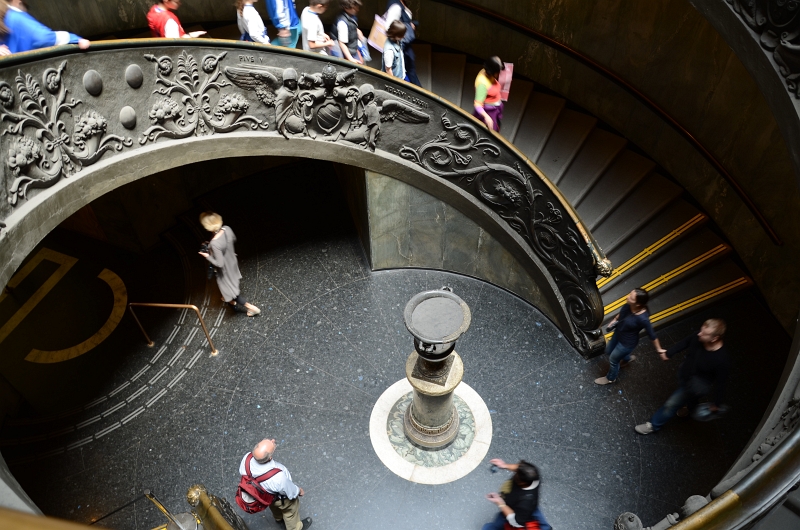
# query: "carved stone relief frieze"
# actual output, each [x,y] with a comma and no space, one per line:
[529,208]
[42,152]
[325,104]
[777,24]
[192,112]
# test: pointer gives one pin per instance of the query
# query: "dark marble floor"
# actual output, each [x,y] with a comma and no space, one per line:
[330,341]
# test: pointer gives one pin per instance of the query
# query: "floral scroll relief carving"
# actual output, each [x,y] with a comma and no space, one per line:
[510,192]
[42,151]
[193,113]
[777,23]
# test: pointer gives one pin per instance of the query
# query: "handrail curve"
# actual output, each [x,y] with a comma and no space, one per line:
[194,308]
[628,87]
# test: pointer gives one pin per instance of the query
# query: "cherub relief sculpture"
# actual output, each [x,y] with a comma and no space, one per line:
[325,103]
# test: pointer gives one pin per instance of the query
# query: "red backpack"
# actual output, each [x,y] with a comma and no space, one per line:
[252,486]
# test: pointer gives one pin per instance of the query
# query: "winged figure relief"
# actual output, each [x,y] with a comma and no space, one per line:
[326,103]
[263,80]
[376,106]
[274,87]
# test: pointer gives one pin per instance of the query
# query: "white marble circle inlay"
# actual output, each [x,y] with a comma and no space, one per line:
[430,475]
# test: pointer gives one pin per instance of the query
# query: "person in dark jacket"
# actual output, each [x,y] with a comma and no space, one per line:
[631,319]
[345,32]
[705,368]
[518,499]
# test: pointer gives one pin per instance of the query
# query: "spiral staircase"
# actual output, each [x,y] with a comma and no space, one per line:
[642,219]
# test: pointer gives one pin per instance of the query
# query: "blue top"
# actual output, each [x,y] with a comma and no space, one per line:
[27,33]
[283,14]
[629,326]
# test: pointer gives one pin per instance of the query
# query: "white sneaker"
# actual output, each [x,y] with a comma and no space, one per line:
[644,428]
[603,381]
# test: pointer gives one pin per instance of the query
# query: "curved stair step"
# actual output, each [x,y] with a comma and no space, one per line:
[593,159]
[695,252]
[537,123]
[566,140]
[701,290]
[645,202]
[447,74]
[471,71]
[518,99]
[597,201]
[656,237]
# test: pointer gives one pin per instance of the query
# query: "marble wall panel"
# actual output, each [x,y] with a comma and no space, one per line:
[409,228]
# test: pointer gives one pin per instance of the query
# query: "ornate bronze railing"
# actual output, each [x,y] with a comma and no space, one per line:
[640,96]
[194,308]
[63,124]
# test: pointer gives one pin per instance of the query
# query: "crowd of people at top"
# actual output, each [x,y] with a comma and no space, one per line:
[21,32]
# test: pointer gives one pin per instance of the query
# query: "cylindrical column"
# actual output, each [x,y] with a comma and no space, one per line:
[435,319]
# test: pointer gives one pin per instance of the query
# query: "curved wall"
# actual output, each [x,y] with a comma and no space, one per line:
[665,48]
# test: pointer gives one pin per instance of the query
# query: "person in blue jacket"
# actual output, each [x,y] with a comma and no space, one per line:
[23,33]
[284,17]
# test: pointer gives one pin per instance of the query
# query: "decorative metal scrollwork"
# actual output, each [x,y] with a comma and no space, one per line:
[42,150]
[510,192]
[193,113]
[777,22]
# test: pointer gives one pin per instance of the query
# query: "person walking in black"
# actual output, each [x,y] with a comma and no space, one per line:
[518,499]
[631,319]
[705,368]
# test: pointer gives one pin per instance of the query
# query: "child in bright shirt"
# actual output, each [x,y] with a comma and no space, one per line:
[165,24]
[250,23]
[488,104]
[283,14]
[314,37]
[20,32]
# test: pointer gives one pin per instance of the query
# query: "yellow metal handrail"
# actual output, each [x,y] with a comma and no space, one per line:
[150,343]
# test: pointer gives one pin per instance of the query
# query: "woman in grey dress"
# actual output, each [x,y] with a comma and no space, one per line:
[222,256]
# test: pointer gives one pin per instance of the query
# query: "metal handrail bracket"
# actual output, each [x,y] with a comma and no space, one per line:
[150,343]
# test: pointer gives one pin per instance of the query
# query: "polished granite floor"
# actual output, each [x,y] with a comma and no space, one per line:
[329,342]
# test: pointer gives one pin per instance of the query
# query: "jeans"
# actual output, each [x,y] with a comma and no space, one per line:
[499,522]
[679,398]
[291,40]
[616,353]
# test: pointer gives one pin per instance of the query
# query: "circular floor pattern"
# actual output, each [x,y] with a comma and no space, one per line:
[430,467]
[429,458]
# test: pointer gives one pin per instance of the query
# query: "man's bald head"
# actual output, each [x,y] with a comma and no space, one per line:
[264,450]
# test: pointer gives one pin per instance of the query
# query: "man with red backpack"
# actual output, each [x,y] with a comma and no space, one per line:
[267,483]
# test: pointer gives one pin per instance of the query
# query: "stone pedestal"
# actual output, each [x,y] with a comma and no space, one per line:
[431,420]
[436,319]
